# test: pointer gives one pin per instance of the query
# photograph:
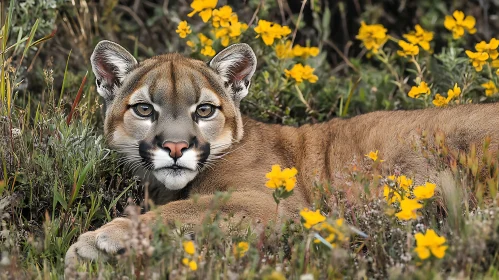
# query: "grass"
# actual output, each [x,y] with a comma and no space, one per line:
[58,180]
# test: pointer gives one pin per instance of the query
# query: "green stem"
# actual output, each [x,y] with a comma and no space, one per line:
[384,59]
[489,69]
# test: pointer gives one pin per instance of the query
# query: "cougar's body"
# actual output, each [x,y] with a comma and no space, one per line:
[179,119]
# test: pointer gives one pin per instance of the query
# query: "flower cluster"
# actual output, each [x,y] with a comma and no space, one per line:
[420,37]
[311,218]
[421,89]
[452,93]
[183,29]
[399,191]
[190,250]
[226,29]
[225,22]
[408,49]
[270,31]
[485,56]
[458,23]
[430,244]
[490,88]
[240,249]
[408,209]
[416,38]
[334,232]
[283,50]
[485,53]
[281,181]
[373,36]
[301,73]
[206,44]
[223,17]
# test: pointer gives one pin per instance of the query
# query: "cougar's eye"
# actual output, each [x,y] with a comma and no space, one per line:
[143,109]
[205,110]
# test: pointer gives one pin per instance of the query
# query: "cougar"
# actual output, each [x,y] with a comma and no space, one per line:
[179,119]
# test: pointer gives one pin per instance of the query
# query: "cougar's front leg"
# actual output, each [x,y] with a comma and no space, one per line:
[109,240]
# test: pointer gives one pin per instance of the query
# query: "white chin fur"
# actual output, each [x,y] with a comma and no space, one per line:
[175,179]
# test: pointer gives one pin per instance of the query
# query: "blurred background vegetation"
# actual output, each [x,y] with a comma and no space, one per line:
[148,28]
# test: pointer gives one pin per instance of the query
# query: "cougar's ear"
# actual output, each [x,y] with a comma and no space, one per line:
[110,63]
[235,64]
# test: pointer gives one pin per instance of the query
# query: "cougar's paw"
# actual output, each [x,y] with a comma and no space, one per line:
[103,243]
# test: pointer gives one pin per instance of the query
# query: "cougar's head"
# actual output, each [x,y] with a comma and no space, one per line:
[171,114]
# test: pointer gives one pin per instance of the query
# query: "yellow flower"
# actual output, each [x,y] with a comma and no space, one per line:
[189,247]
[490,88]
[408,209]
[416,91]
[495,64]
[222,16]
[305,52]
[402,181]
[420,37]
[270,31]
[425,192]
[458,23]
[373,36]
[206,43]
[490,48]
[283,50]
[407,49]
[285,178]
[274,276]
[183,29]
[208,51]
[390,195]
[204,8]
[191,264]
[301,73]
[374,156]
[478,59]
[281,31]
[454,92]
[190,44]
[233,30]
[430,243]
[241,249]
[440,101]
[311,218]
[334,234]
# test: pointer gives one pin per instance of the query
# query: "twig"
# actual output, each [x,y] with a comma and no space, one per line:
[281,10]
[338,51]
[256,12]
[298,21]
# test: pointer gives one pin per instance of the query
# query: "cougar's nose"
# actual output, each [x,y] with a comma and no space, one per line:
[175,148]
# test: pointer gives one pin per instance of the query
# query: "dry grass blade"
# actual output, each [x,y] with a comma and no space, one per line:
[77,99]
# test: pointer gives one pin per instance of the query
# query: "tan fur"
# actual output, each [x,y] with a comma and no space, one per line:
[320,152]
